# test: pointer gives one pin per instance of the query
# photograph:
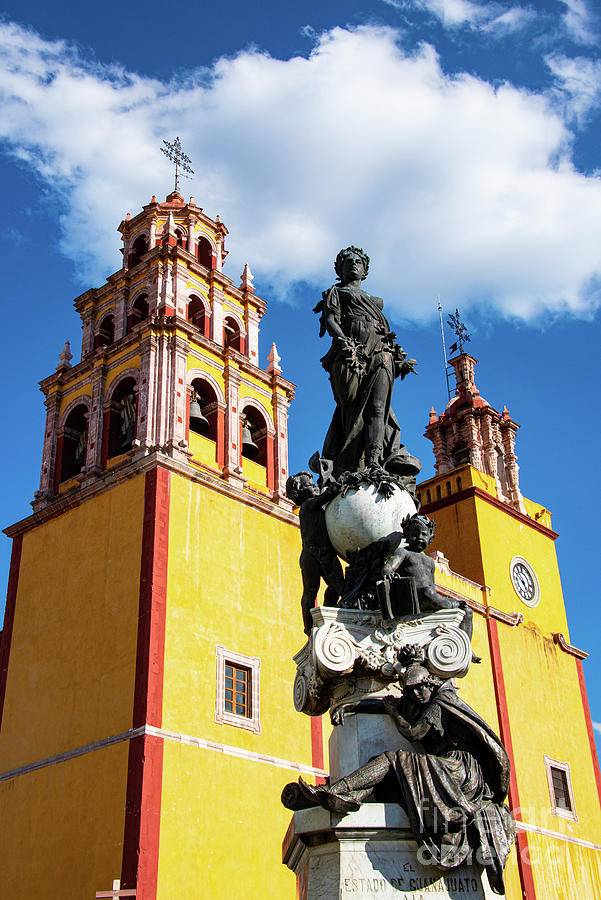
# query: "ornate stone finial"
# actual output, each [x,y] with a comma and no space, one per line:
[506,415]
[153,199]
[247,279]
[433,416]
[274,361]
[191,201]
[65,357]
[170,225]
[127,217]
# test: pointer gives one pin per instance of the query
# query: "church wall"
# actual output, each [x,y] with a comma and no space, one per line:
[63,828]
[73,647]
[502,537]
[222,826]
[545,711]
[233,580]
[562,870]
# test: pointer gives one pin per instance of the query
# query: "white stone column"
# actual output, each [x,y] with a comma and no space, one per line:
[87,337]
[162,386]
[120,314]
[252,334]
[145,426]
[180,282]
[216,301]
[176,441]
[94,445]
[232,469]
[166,288]
[46,491]
[508,431]
[489,452]
[191,234]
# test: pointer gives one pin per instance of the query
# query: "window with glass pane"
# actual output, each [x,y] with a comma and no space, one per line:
[237,690]
[561,789]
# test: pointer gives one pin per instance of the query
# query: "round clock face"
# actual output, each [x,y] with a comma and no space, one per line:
[524,581]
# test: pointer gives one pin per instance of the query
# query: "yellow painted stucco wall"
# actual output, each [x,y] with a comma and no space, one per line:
[73,651]
[62,828]
[542,690]
[70,683]
[233,580]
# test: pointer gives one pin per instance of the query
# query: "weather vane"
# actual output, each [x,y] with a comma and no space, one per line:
[460,332]
[173,151]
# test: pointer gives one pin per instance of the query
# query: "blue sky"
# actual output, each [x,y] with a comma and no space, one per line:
[455,140]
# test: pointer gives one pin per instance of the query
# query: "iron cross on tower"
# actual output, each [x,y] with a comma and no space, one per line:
[460,330]
[173,151]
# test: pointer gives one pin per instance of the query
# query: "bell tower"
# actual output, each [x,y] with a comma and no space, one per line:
[503,544]
[167,324]
[154,592]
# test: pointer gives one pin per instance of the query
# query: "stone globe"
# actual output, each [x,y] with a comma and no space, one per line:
[364,515]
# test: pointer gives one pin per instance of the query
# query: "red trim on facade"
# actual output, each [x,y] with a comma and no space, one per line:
[270,451]
[473,491]
[523,855]
[145,767]
[9,616]
[317,746]
[589,726]
[188,415]
[220,448]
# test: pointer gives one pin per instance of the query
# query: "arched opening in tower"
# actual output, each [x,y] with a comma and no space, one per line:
[254,436]
[122,418]
[197,315]
[231,335]
[139,249]
[203,409]
[74,442]
[204,252]
[138,312]
[106,332]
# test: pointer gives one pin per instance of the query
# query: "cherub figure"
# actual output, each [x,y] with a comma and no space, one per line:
[318,558]
[412,562]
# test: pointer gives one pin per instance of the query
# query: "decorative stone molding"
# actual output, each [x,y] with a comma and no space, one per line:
[204,375]
[364,649]
[560,640]
[471,431]
[253,665]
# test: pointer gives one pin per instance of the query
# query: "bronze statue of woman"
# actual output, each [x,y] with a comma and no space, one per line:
[362,363]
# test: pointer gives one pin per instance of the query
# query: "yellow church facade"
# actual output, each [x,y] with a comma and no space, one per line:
[147,724]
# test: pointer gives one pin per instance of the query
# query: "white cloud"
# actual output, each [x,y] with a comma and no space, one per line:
[454,187]
[577,21]
[490,17]
[579,83]
[597,727]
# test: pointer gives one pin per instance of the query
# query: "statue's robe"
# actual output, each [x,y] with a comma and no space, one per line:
[454,793]
[360,318]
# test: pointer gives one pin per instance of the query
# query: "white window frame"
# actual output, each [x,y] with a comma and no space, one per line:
[253,664]
[559,810]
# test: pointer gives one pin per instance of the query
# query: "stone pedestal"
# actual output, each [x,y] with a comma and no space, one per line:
[360,739]
[370,853]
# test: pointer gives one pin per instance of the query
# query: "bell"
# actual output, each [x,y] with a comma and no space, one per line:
[198,423]
[249,448]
